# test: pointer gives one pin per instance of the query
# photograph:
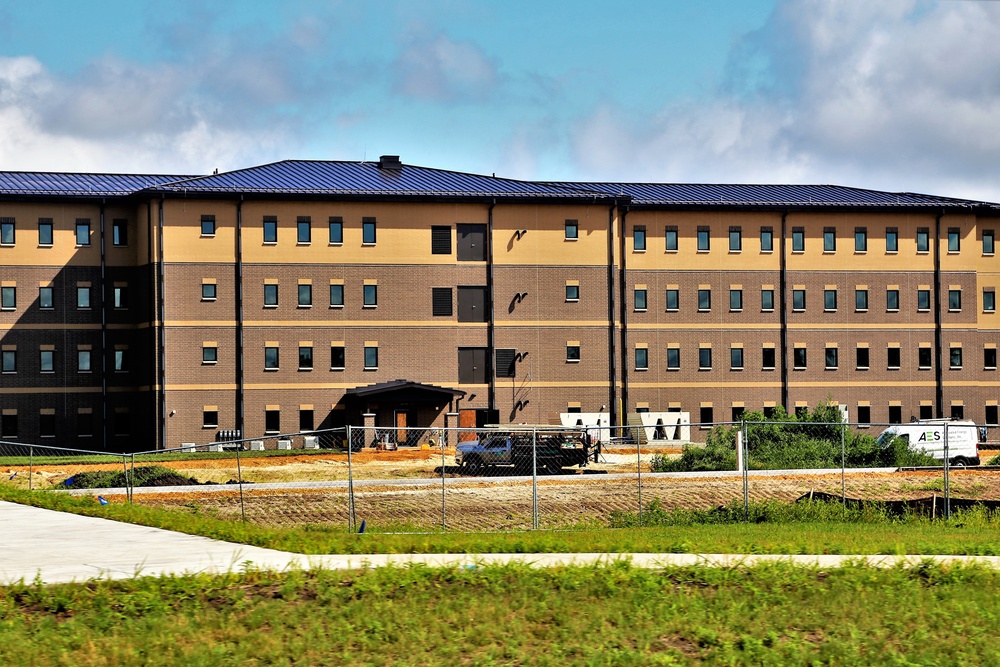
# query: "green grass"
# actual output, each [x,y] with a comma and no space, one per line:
[611,615]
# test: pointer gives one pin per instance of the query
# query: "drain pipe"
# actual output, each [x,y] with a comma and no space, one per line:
[491,392]
[104,334]
[612,354]
[240,387]
[161,334]
[624,317]
[783,325]
[938,353]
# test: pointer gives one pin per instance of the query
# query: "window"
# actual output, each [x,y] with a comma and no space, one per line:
[799,358]
[735,299]
[371,357]
[861,358]
[673,299]
[923,299]
[271,295]
[830,299]
[272,421]
[303,229]
[84,424]
[798,299]
[45,301]
[924,358]
[704,239]
[829,239]
[271,358]
[47,424]
[571,230]
[6,231]
[270,229]
[735,239]
[673,358]
[958,412]
[864,414]
[892,358]
[895,414]
[305,357]
[641,359]
[209,418]
[832,358]
[954,240]
[640,299]
[955,358]
[305,296]
[706,415]
[573,352]
[572,292]
[9,364]
[671,238]
[798,239]
[704,358]
[337,295]
[990,358]
[336,230]
[8,425]
[860,299]
[83,232]
[860,239]
[208,225]
[766,239]
[923,239]
[992,415]
[338,358]
[704,299]
[370,298]
[891,239]
[46,361]
[83,361]
[767,358]
[121,360]
[767,299]
[45,231]
[306,420]
[368,231]
[892,299]
[472,304]
[441,302]
[954,300]
[440,240]
[8,298]
[736,358]
[989,300]
[83,297]
[639,238]
[209,354]
[926,411]
[120,297]
[988,242]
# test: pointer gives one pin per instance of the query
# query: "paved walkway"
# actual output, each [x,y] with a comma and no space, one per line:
[60,547]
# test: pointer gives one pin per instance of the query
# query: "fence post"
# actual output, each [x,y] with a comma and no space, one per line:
[442,439]
[745,471]
[128,482]
[534,477]
[31,467]
[131,479]
[843,465]
[350,479]
[638,470]
[239,479]
[947,479]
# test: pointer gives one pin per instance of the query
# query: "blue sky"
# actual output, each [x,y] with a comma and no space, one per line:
[898,95]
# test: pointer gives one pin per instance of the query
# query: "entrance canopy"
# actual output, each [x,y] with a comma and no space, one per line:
[404,391]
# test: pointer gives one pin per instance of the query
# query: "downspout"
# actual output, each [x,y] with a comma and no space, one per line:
[612,355]
[161,333]
[240,388]
[938,370]
[490,314]
[783,308]
[151,373]
[104,336]
[624,317]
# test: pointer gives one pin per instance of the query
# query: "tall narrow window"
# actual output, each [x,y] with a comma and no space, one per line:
[671,238]
[270,295]
[860,239]
[270,229]
[83,361]
[639,238]
[830,299]
[120,297]
[83,232]
[45,300]
[641,358]
[306,420]
[6,231]
[993,415]
[831,358]
[704,239]
[955,357]
[923,239]
[989,300]
[704,358]
[272,421]
[798,299]
[954,300]
[45,231]
[271,358]
[924,355]
[208,225]
[673,299]
[639,296]
[368,231]
[119,232]
[83,297]
[861,299]
[798,239]
[766,239]
[923,299]
[571,230]
[861,358]
[892,300]
[767,357]
[736,358]
[891,239]
[46,361]
[9,358]
[704,299]
[829,239]
[767,300]
[305,296]
[303,230]
[8,298]
[336,295]
[799,358]
[892,358]
[673,358]
[305,357]
[735,239]
[370,296]
[864,416]
[736,300]
[337,358]
[989,358]
[988,242]
[336,230]
[121,360]
[954,239]
[371,357]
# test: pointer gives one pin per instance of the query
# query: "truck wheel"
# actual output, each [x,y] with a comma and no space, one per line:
[959,462]
[473,466]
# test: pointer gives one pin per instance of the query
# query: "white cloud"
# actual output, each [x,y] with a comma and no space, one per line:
[434,67]
[897,94]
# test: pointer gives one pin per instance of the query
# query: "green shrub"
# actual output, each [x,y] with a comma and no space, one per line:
[140,476]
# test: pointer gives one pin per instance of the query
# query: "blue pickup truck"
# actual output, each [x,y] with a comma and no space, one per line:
[546,451]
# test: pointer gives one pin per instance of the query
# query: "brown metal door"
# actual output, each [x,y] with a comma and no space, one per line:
[401,424]
[467,419]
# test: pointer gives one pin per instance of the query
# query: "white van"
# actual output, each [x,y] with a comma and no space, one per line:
[928,436]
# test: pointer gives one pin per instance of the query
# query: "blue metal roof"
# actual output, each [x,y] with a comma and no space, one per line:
[311,177]
[61,183]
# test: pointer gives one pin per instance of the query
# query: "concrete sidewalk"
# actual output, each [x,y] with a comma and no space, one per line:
[58,547]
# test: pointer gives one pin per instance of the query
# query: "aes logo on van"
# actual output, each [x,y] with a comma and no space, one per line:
[929,435]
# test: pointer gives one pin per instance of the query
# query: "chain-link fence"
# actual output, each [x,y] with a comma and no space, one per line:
[521,478]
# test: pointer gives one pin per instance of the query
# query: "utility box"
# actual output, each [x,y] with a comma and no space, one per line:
[217,447]
[284,444]
[310,442]
[256,445]
[188,446]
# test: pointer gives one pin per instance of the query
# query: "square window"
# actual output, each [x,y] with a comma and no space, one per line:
[861,299]
[735,239]
[306,421]
[209,354]
[83,297]
[303,230]
[830,299]
[371,358]
[46,361]
[7,231]
[671,239]
[640,299]
[336,230]
[954,299]
[208,225]
[209,418]
[208,291]
[895,414]
[704,299]
[370,296]
[891,239]
[121,360]
[926,411]
[83,232]
[829,239]
[270,295]
[832,358]
[120,297]
[673,358]
[368,231]
[860,239]
[736,300]
[571,230]
[119,232]
[923,299]
[572,292]
[767,299]
[704,239]
[954,239]
[924,357]
[766,239]
[45,301]
[798,299]
[767,357]
[990,358]
[736,358]
[704,358]
[572,353]
[989,301]
[270,229]
[641,359]
[861,358]
[799,358]
[892,299]
[798,239]
[955,357]
[337,358]
[639,238]
[83,361]
[9,361]
[305,296]
[923,239]
[440,239]
[8,298]
[44,231]
[892,358]
[272,421]
[864,414]
[988,242]
[337,296]
[270,358]
[673,299]
[305,358]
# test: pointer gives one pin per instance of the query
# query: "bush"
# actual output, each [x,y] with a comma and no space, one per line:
[767,511]
[141,476]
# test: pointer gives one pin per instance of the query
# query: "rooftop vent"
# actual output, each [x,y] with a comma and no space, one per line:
[390,162]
